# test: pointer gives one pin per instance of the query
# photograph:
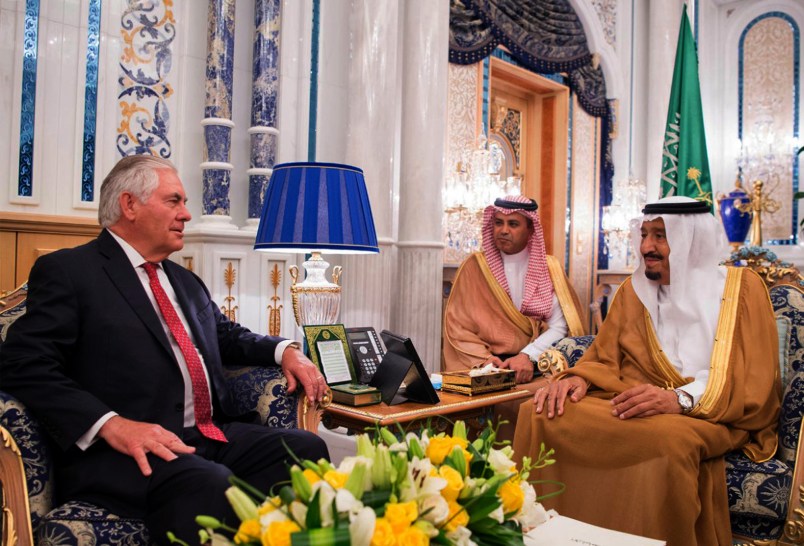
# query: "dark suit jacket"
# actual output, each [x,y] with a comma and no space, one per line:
[91,342]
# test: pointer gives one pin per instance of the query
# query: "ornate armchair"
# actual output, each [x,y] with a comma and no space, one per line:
[766,500]
[26,473]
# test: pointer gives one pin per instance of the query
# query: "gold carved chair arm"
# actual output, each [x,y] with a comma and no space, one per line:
[551,362]
[16,518]
[310,412]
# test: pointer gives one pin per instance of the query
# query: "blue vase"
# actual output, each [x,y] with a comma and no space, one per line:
[736,222]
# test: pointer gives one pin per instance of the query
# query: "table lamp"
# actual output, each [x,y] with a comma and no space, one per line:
[310,208]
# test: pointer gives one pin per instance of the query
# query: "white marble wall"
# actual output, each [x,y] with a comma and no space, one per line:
[376,110]
[59,103]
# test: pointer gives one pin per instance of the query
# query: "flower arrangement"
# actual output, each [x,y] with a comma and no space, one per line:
[422,489]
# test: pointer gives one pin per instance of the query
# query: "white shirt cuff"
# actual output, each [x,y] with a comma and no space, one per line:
[90,436]
[280,348]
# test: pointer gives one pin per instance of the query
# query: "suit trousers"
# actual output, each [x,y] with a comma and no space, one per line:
[179,490]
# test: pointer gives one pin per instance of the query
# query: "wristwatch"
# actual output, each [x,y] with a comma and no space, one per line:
[684,400]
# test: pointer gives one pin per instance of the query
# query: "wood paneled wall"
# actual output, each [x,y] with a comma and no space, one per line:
[25,237]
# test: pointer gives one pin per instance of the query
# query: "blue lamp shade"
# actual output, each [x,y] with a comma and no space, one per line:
[316,207]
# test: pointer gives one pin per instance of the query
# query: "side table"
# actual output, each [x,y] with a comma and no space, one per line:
[475,411]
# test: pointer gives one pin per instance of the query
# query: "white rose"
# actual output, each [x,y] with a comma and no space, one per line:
[434,508]
[500,462]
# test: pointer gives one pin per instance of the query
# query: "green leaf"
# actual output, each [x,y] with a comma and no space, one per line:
[376,499]
[321,537]
[313,520]
[481,506]
[488,532]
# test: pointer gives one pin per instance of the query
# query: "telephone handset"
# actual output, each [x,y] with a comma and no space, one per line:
[367,351]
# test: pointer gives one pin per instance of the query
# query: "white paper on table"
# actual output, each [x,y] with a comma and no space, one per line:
[563,531]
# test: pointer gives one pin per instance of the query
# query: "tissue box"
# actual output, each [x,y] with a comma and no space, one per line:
[464,383]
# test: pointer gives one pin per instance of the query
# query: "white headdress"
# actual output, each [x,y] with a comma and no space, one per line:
[686,318]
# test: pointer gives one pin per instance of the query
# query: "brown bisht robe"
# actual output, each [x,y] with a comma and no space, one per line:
[663,476]
[481,320]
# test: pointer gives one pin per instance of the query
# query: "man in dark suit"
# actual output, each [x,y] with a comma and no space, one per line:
[120,356]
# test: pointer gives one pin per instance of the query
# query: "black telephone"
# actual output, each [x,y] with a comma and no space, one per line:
[367,351]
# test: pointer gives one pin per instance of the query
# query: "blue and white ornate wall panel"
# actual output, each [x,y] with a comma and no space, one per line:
[145,83]
[87,82]
[768,97]
[582,233]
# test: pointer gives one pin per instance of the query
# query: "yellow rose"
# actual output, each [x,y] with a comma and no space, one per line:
[441,446]
[249,530]
[457,517]
[383,533]
[413,536]
[511,495]
[311,476]
[335,479]
[468,457]
[278,533]
[269,506]
[454,483]
[401,514]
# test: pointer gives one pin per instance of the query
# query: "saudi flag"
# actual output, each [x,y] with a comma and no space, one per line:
[685,165]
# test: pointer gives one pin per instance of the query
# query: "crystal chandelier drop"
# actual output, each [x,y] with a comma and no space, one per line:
[627,202]
[472,186]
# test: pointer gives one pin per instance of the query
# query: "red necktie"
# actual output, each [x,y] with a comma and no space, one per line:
[201,401]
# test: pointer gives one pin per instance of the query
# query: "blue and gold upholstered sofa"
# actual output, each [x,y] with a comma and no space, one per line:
[26,473]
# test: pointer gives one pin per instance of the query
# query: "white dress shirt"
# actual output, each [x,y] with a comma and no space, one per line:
[516,266]
[189,408]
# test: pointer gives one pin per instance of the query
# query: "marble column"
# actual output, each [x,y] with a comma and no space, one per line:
[264,103]
[217,120]
[416,310]
[664,20]
[373,93]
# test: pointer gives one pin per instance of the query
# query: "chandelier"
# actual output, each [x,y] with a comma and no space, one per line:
[765,154]
[471,187]
[627,203]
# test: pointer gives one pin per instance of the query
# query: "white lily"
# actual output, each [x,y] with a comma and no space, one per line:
[532,514]
[346,502]
[461,537]
[497,514]
[421,482]
[273,515]
[299,511]
[361,526]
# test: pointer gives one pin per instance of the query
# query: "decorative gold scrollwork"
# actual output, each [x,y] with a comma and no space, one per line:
[773,272]
[794,528]
[229,277]
[275,310]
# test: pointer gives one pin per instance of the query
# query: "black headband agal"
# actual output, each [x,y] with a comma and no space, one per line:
[503,204]
[689,207]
